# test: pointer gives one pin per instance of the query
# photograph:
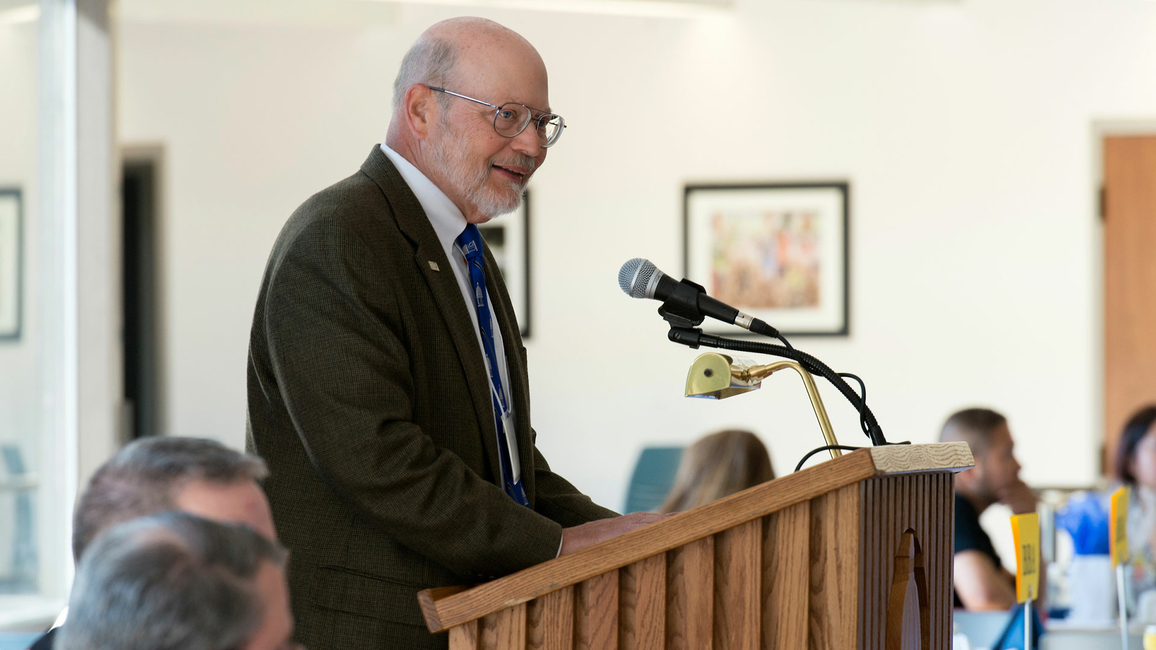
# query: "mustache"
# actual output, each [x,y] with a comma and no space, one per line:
[528,163]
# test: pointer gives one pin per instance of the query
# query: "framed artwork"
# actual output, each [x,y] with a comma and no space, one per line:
[508,238]
[10,263]
[775,251]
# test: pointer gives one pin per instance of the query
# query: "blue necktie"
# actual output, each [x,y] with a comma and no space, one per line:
[470,243]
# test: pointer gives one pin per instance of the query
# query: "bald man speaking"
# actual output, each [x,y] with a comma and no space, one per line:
[387,380]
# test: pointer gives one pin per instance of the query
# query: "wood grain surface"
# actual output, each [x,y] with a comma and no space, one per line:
[445,611]
[786,577]
[503,629]
[550,621]
[893,505]
[902,459]
[738,554]
[834,586]
[818,559]
[464,636]
[642,605]
[596,613]
[690,601]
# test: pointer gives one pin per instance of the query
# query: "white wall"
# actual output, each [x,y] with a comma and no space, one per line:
[19,383]
[19,372]
[965,130]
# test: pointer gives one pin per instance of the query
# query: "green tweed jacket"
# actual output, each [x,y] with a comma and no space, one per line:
[369,400]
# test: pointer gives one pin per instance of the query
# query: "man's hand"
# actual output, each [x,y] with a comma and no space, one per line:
[1019,497]
[589,534]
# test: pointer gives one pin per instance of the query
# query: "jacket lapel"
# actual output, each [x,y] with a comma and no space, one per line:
[415,225]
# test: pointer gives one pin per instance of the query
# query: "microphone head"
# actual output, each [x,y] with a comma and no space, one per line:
[638,278]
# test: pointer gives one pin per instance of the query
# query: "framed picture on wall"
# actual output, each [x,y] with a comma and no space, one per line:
[777,251]
[508,237]
[10,263]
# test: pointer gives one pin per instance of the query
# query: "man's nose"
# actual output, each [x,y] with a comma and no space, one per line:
[527,141]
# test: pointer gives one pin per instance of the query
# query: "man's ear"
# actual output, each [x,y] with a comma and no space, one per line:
[420,110]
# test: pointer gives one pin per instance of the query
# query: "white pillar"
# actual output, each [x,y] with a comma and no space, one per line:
[80,259]
[99,243]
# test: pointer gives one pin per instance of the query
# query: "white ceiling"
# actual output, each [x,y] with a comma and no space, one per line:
[378,11]
[362,12]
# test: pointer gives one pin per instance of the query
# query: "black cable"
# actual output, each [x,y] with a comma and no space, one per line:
[840,447]
[811,364]
[862,386]
[822,449]
[862,396]
[760,327]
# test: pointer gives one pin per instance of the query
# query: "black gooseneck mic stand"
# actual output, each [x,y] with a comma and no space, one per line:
[681,312]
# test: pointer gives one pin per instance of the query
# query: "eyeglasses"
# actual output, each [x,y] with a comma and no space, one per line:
[511,119]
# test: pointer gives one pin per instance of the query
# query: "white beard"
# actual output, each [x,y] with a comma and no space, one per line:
[450,162]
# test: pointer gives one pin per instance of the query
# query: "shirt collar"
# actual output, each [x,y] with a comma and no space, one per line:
[445,217]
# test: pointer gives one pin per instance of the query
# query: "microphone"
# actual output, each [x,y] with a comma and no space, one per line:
[639,278]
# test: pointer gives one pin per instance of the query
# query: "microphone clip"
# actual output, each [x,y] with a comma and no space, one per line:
[680,308]
[692,337]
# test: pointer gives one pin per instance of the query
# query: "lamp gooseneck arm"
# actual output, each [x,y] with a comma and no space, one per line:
[693,337]
[760,372]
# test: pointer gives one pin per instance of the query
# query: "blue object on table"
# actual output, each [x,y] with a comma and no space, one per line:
[652,478]
[1086,519]
[981,628]
[16,640]
[1012,637]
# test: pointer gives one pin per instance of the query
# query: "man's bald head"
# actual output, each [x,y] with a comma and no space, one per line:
[457,48]
[456,80]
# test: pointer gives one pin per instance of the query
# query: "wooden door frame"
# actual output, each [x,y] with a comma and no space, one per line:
[1127,127]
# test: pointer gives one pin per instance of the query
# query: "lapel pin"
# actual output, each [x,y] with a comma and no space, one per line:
[434,265]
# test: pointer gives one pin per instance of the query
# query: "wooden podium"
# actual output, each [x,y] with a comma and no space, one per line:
[855,552]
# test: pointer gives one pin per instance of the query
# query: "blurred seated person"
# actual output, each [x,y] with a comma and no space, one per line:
[716,466]
[1136,467]
[981,582]
[152,475]
[156,474]
[174,581]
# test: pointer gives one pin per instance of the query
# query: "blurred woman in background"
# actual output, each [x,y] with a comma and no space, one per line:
[716,466]
[1136,467]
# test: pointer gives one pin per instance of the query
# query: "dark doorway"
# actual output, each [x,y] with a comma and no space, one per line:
[140,193]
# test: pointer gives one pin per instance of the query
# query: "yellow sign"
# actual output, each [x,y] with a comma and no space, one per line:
[1026,531]
[1118,531]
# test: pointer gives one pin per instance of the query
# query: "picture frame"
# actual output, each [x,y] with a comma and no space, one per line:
[11,263]
[508,238]
[777,251]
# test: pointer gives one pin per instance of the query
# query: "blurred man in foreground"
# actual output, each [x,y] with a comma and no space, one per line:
[174,581]
[152,475]
[981,582]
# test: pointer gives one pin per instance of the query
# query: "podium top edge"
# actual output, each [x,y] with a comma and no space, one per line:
[903,459]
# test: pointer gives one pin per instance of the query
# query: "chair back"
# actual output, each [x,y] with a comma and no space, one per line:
[652,478]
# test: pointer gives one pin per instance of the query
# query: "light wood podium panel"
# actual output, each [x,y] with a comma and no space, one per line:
[855,552]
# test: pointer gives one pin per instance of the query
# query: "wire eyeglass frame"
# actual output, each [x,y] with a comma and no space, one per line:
[542,122]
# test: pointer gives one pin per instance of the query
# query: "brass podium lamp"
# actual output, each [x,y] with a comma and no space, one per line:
[717,376]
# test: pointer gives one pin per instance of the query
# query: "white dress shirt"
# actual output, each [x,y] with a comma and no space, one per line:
[449,222]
